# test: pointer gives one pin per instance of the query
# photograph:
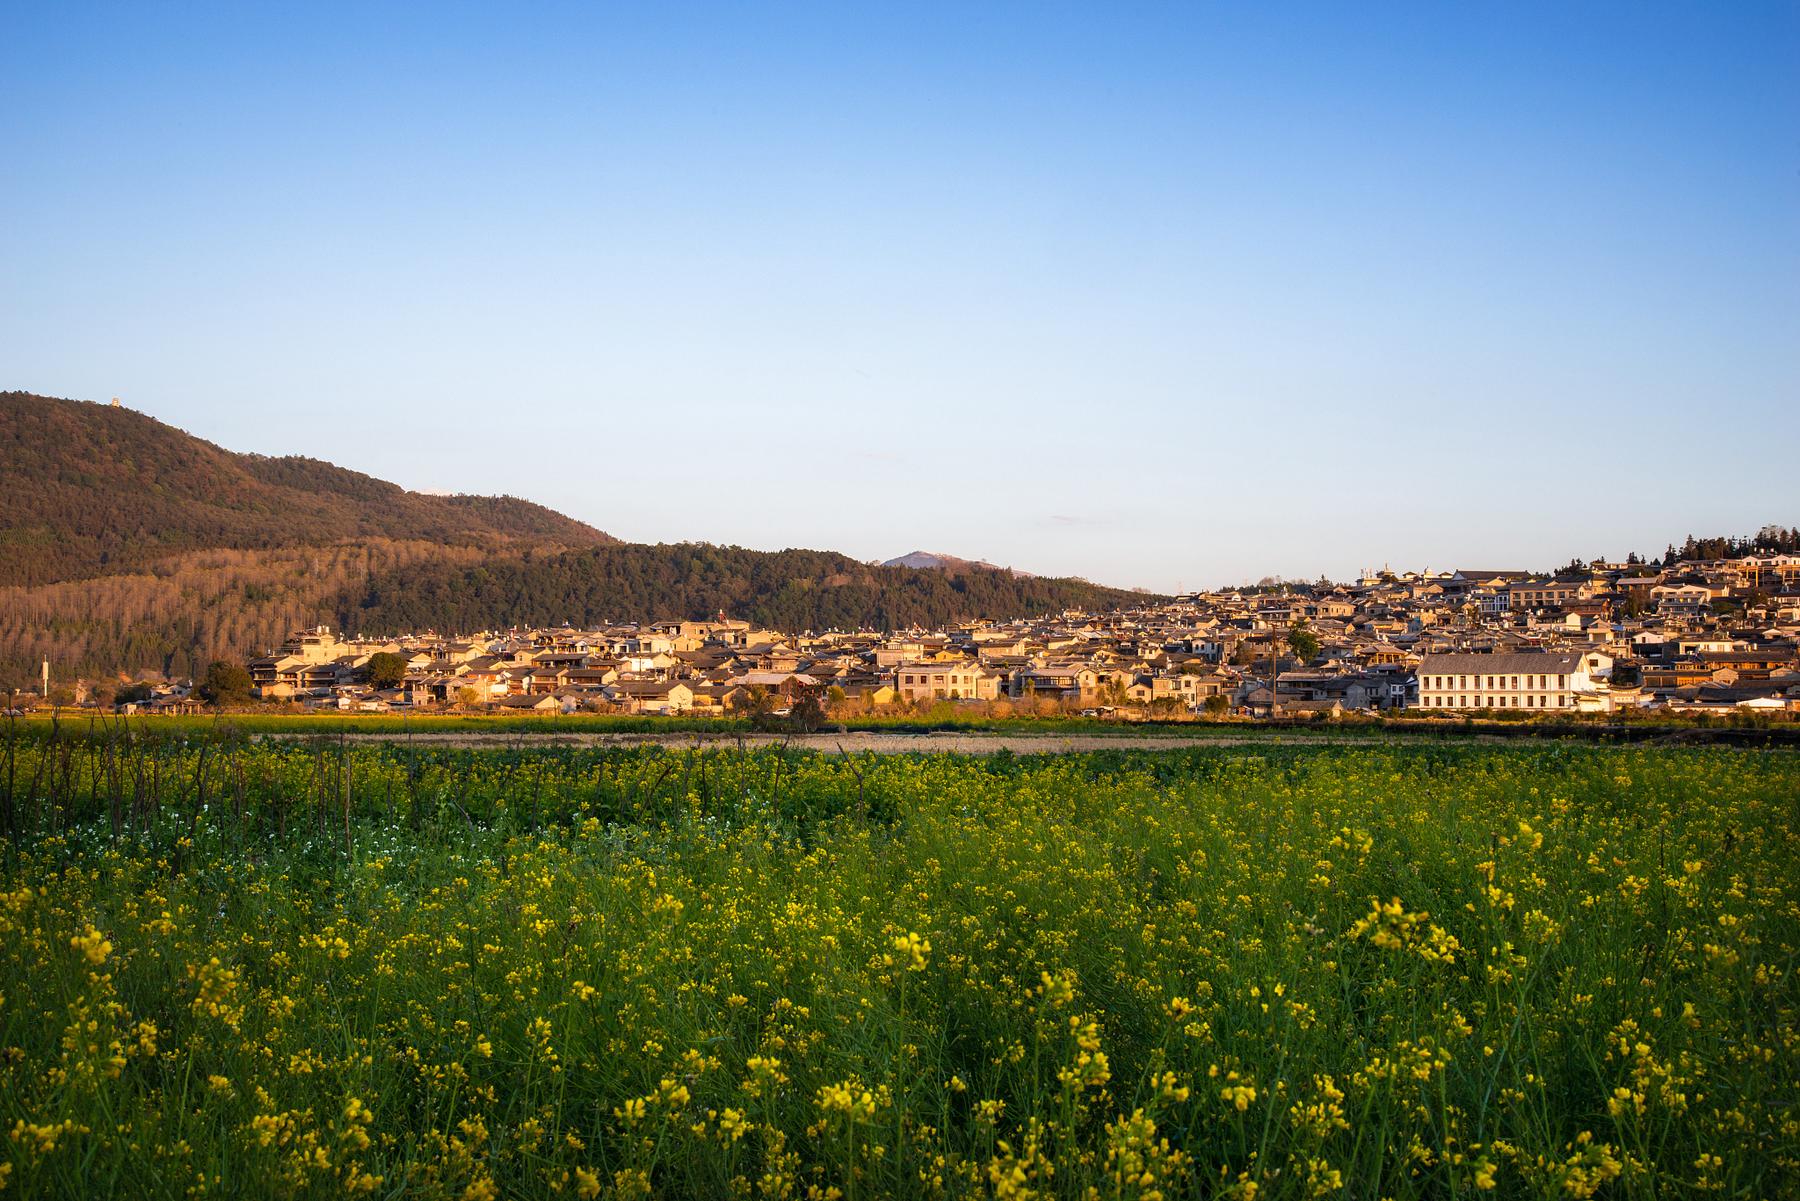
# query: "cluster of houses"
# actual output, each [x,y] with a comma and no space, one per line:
[1720,636]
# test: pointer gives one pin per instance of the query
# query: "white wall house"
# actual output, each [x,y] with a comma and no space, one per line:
[1533,680]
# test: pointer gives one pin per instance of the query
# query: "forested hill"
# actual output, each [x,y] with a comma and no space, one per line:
[94,489]
[126,545]
[785,590]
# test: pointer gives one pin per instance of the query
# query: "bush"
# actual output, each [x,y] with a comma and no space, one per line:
[385,669]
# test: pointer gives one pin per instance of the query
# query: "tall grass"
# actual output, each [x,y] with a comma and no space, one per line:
[313,969]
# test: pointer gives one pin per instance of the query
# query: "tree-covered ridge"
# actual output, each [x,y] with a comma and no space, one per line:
[193,608]
[98,489]
[1770,540]
[786,590]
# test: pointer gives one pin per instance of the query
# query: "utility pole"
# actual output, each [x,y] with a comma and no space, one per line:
[1274,676]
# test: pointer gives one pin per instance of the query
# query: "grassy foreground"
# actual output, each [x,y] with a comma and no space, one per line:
[1395,972]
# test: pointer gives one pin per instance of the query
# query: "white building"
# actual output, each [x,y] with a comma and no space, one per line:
[1533,680]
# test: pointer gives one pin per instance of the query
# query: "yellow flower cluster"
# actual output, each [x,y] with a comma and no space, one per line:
[93,945]
[911,951]
[216,990]
[848,1098]
[1390,927]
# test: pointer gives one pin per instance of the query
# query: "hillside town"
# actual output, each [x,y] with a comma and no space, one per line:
[1719,636]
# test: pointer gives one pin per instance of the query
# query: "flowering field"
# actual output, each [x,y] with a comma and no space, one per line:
[313,970]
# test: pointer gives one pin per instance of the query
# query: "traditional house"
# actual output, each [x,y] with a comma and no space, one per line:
[954,680]
[527,702]
[1061,681]
[653,696]
[1553,593]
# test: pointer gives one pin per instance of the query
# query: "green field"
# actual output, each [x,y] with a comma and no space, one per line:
[304,969]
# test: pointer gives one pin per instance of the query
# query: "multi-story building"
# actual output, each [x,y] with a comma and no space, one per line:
[310,662]
[1553,593]
[953,680]
[1533,680]
[1772,573]
[1061,681]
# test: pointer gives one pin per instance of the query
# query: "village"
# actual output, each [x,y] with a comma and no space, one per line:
[1719,637]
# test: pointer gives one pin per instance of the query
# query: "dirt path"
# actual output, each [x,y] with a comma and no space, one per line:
[882,743]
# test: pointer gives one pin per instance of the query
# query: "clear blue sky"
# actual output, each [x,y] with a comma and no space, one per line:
[1157,295]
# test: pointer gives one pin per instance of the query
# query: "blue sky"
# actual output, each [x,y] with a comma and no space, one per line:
[1158,295]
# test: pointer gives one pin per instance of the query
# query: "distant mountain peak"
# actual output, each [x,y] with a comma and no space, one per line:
[927,560]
